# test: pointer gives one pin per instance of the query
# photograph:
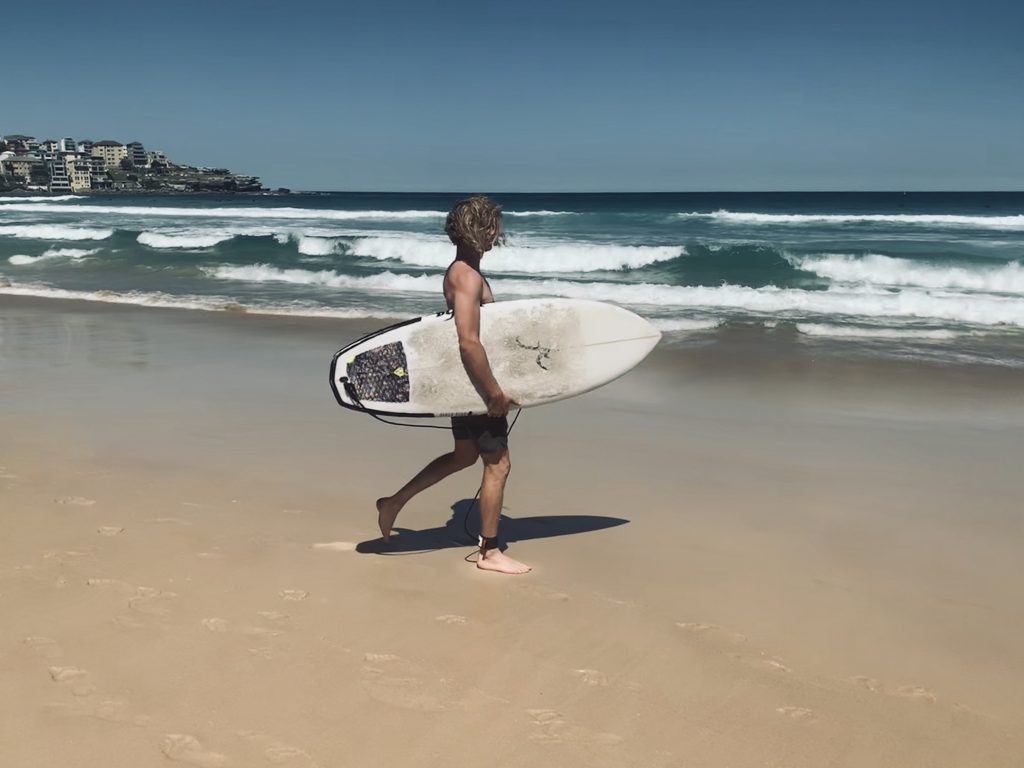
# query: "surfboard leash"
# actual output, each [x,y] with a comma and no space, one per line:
[465,519]
[351,391]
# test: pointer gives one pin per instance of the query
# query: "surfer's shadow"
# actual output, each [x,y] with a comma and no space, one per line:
[453,533]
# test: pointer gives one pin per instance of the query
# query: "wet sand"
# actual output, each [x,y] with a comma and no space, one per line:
[742,558]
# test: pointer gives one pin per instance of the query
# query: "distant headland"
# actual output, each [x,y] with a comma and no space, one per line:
[69,167]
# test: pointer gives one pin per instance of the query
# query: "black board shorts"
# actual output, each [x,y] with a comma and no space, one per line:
[490,433]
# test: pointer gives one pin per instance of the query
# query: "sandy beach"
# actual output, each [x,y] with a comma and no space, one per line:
[743,557]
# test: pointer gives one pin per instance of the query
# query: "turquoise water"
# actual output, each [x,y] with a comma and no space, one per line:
[933,275]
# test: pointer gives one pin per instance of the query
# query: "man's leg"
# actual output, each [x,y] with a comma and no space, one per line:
[463,455]
[492,493]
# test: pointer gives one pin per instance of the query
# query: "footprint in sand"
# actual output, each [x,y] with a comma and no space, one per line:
[796,713]
[550,727]
[733,644]
[215,624]
[75,501]
[293,595]
[712,630]
[112,710]
[543,592]
[547,725]
[272,615]
[105,582]
[260,632]
[153,602]
[78,680]
[591,677]
[915,692]
[693,626]
[775,664]
[278,752]
[905,691]
[335,546]
[187,749]
[868,683]
[401,683]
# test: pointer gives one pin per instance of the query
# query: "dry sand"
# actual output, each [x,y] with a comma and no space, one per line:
[784,562]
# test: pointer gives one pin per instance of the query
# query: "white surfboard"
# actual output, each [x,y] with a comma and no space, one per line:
[540,351]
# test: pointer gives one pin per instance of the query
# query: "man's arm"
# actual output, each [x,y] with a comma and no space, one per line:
[468,288]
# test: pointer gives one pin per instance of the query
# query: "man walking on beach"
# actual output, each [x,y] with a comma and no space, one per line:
[474,226]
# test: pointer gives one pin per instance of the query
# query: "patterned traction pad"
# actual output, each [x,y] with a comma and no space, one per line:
[381,375]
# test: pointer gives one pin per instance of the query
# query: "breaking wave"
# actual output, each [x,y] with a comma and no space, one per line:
[923,219]
[54,232]
[540,258]
[875,269]
[226,213]
[183,240]
[52,253]
[849,303]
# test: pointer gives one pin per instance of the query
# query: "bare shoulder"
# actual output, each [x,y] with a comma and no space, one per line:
[463,279]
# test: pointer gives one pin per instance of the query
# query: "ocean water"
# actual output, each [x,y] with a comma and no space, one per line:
[934,276]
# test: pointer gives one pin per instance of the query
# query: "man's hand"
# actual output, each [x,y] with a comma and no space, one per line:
[499,404]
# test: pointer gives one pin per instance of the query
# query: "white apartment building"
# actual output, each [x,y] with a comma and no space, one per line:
[79,170]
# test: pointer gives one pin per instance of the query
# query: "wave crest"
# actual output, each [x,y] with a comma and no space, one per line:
[916,219]
[876,269]
[182,240]
[854,302]
[532,259]
[54,232]
[226,213]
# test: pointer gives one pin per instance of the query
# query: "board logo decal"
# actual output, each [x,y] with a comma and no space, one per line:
[543,353]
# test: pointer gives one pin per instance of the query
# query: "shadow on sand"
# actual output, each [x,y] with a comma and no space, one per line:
[453,533]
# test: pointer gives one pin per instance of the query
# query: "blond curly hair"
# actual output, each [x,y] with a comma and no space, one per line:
[475,223]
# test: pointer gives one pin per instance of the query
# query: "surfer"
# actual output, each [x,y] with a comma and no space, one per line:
[474,226]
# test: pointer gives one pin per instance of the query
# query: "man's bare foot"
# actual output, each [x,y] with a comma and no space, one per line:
[496,560]
[387,512]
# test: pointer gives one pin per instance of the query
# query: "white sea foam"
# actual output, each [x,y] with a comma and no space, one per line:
[225,213]
[854,332]
[40,198]
[205,303]
[853,302]
[885,270]
[682,324]
[536,258]
[385,281]
[54,232]
[540,213]
[310,245]
[163,240]
[71,253]
[52,253]
[926,219]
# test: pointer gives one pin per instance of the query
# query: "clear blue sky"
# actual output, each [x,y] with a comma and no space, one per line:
[536,96]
